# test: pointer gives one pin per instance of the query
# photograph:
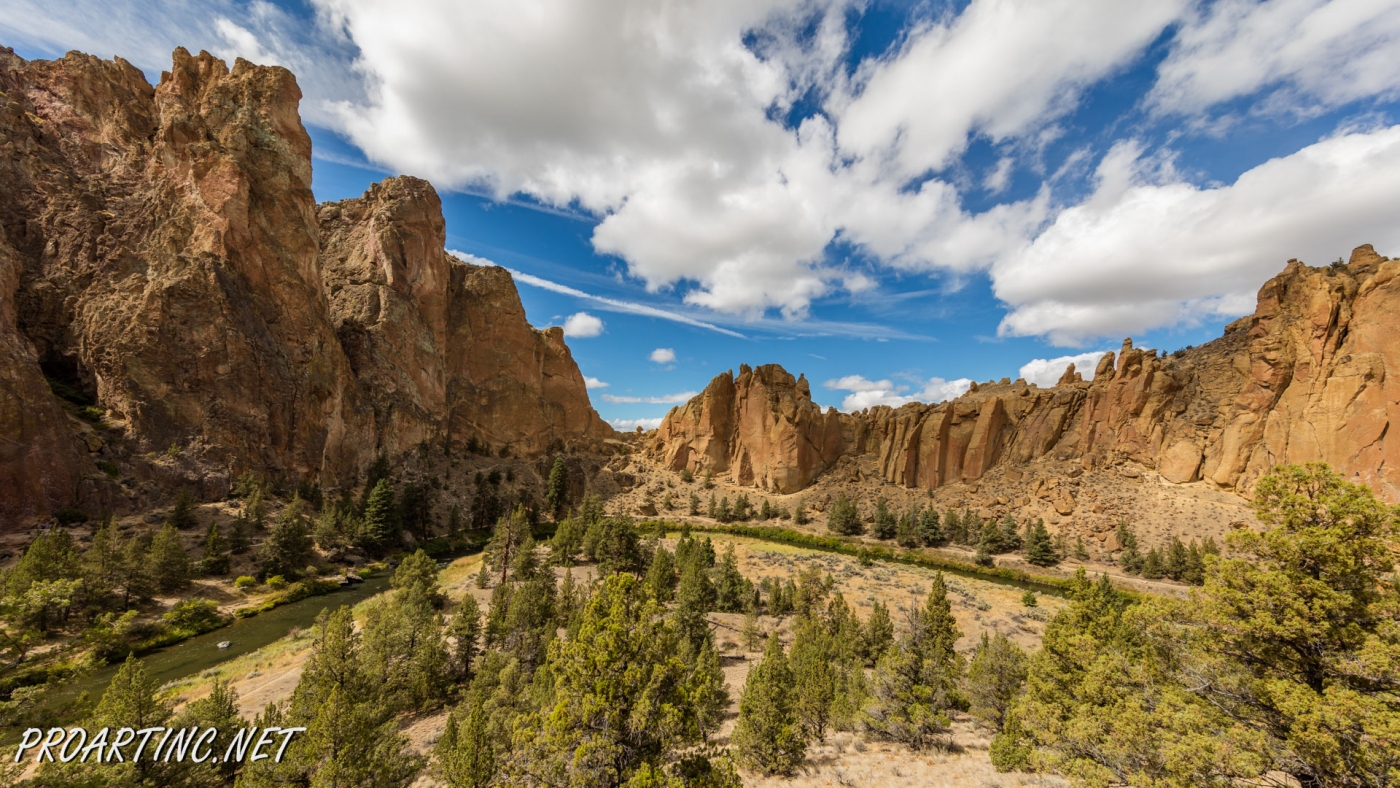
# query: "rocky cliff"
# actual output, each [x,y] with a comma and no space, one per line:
[165,269]
[1311,375]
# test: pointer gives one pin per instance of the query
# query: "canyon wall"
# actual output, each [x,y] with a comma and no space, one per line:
[165,268]
[1309,376]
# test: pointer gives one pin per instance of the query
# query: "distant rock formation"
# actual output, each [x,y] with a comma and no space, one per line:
[1311,375]
[162,257]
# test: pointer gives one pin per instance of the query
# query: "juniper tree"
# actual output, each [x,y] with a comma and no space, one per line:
[1039,550]
[182,514]
[693,507]
[953,527]
[707,690]
[1151,565]
[464,756]
[844,518]
[907,533]
[1010,534]
[1130,559]
[814,680]
[732,589]
[930,529]
[661,575]
[799,513]
[995,676]
[1175,560]
[885,525]
[879,633]
[1081,553]
[990,540]
[695,598]
[915,686]
[768,736]
[465,631]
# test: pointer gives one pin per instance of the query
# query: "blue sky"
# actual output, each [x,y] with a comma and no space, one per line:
[893,198]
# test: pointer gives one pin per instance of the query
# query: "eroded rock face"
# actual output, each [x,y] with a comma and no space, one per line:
[162,254]
[1311,375]
[761,428]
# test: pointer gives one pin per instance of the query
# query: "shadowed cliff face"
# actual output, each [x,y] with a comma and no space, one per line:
[162,256]
[1311,375]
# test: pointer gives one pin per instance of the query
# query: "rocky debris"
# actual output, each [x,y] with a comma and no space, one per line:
[1304,378]
[163,257]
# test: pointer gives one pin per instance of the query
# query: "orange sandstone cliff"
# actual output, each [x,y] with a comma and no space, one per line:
[1311,375]
[175,309]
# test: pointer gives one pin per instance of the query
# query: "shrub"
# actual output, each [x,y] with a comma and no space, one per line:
[194,616]
[244,582]
[70,515]
[277,582]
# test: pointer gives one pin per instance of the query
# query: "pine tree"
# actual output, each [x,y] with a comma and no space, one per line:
[215,560]
[695,598]
[930,530]
[844,518]
[254,507]
[694,505]
[239,538]
[465,630]
[1195,571]
[1130,559]
[732,589]
[814,680]
[907,534]
[509,534]
[182,513]
[973,527]
[885,525]
[995,677]
[915,685]
[768,736]
[381,527]
[751,632]
[557,494]
[1038,548]
[170,564]
[287,548]
[1081,553]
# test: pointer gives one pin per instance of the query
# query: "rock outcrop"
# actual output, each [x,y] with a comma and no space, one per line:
[1311,375]
[762,428]
[163,258]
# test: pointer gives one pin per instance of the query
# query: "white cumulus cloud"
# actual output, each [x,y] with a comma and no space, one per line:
[1148,250]
[867,393]
[631,424]
[663,355]
[1046,372]
[594,383]
[582,325]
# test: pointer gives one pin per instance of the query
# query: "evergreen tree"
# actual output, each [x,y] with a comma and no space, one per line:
[907,534]
[464,754]
[953,527]
[695,598]
[916,685]
[138,577]
[1130,559]
[973,527]
[254,507]
[557,494]
[995,677]
[1081,553]
[465,631]
[751,632]
[170,564]
[510,533]
[885,525]
[844,518]
[814,679]
[732,589]
[661,575]
[1176,560]
[1195,570]
[1010,534]
[619,547]
[990,540]
[694,505]
[380,527]
[879,633]
[239,537]
[1038,548]
[182,514]
[215,560]
[707,690]
[621,705]
[288,548]
[102,563]
[799,513]
[768,736]
[930,529]
[1152,565]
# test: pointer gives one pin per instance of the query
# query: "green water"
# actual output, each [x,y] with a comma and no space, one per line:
[202,651]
